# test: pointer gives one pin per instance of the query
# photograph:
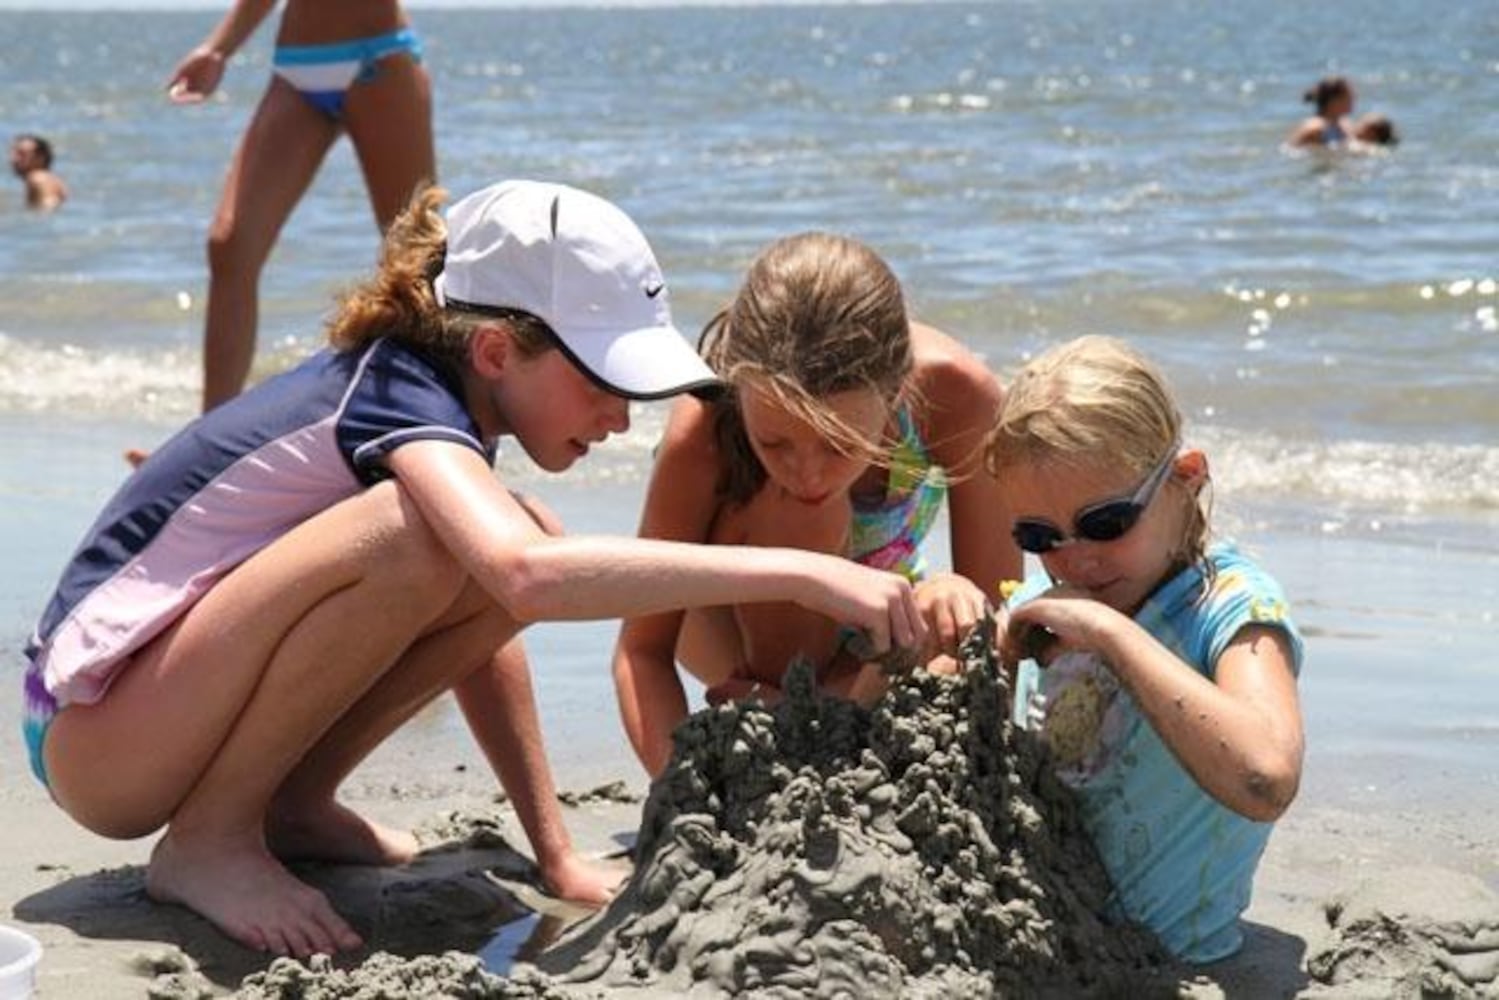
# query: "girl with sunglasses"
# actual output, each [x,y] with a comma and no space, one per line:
[843,428]
[1165,678]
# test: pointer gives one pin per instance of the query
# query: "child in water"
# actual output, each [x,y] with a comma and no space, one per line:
[1168,669]
[289,579]
[845,428]
[1375,129]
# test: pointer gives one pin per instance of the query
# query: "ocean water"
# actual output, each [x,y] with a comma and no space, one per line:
[1032,171]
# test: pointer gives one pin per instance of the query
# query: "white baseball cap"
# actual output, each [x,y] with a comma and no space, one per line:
[581,266]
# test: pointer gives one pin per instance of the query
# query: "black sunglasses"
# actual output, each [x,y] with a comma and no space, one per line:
[1099,522]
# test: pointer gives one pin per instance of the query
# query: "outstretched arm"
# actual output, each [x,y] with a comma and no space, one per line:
[1239,734]
[539,578]
[199,72]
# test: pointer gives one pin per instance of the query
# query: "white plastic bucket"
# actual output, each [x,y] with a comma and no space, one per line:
[19,954]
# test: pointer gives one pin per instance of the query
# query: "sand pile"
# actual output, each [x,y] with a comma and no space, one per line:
[1435,935]
[921,849]
[451,976]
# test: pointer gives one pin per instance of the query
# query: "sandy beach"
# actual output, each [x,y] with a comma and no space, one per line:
[1382,877]
[474,890]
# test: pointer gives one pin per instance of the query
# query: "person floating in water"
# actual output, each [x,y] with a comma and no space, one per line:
[31,159]
[1333,97]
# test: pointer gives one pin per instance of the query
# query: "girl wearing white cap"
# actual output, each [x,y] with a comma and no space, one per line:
[286,581]
[845,428]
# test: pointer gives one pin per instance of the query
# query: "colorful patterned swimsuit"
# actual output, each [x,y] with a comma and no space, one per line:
[888,534]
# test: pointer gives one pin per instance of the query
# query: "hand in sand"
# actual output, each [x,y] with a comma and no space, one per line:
[951,605]
[1063,618]
[882,604]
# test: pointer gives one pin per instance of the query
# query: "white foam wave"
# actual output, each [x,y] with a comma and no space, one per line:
[1401,478]
[1396,479]
[150,385]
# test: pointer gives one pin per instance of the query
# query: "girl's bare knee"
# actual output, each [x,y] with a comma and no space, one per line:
[229,253]
[411,553]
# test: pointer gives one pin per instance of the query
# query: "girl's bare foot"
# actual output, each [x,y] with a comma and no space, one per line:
[235,884]
[329,831]
[579,880]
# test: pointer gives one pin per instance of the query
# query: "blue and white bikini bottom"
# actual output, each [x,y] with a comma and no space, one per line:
[323,74]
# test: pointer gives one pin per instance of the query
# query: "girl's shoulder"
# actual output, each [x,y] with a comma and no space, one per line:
[691,431]
[955,392]
[690,455]
[941,363]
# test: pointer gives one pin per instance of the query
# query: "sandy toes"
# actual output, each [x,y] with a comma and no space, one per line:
[332,832]
[248,895]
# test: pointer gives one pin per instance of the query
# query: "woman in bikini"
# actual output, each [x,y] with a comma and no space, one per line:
[845,429]
[340,66]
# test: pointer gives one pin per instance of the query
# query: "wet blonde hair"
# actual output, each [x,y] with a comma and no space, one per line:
[817,315]
[1096,402]
[398,301]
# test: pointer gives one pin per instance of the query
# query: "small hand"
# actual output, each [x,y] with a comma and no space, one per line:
[893,661]
[1063,618]
[197,76]
[951,605]
[880,604]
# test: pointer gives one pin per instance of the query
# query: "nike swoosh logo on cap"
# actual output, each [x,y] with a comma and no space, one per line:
[654,289]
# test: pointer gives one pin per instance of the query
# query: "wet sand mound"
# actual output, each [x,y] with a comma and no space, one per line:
[1433,935]
[817,849]
[451,976]
[920,849]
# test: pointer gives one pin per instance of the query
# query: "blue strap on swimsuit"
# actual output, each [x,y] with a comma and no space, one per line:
[323,74]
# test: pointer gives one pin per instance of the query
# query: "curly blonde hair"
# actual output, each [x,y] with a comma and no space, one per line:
[818,314]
